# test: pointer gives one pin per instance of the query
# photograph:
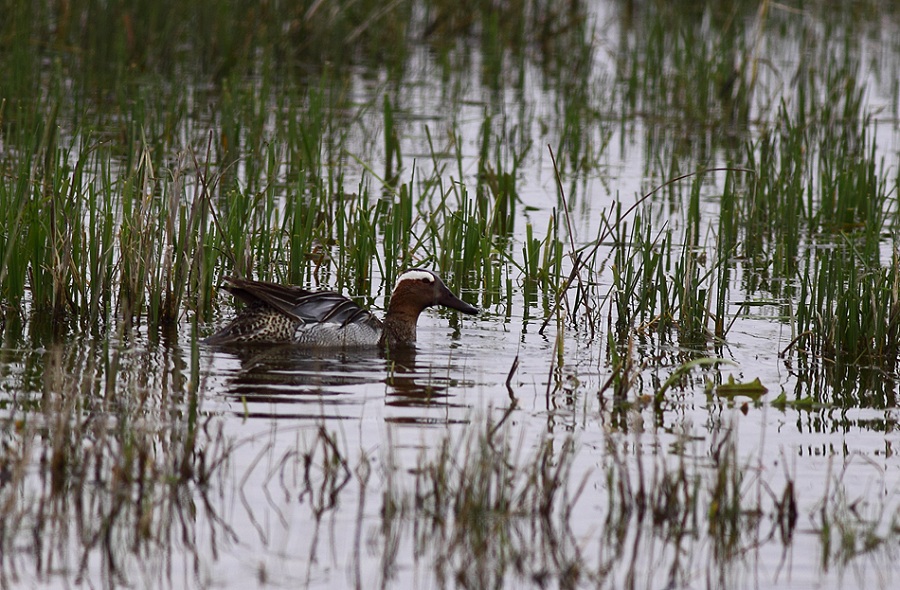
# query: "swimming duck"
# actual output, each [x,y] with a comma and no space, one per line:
[284,314]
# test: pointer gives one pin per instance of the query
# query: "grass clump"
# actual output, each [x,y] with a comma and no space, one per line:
[671,290]
[122,467]
[478,511]
[126,201]
[487,517]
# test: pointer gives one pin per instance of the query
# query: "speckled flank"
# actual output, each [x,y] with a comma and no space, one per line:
[258,324]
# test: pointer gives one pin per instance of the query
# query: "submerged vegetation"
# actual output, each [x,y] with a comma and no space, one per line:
[632,183]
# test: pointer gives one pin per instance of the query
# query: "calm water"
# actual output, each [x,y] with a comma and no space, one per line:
[272,421]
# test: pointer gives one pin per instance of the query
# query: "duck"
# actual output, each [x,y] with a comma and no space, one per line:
[281,314]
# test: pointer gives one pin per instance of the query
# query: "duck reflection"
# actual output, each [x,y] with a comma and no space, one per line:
[288,374]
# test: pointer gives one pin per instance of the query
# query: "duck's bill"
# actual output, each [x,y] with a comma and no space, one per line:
[450,300]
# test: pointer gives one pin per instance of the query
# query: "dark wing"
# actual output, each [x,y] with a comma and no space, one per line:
[301,305]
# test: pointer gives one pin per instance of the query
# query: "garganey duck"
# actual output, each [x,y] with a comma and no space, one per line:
[277,314]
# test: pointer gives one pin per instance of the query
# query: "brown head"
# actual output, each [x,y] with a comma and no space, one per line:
[417,289]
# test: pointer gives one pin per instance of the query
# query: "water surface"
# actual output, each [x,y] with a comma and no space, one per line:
[192,466]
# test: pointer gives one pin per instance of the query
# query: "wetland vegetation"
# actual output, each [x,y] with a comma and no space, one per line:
[679,220]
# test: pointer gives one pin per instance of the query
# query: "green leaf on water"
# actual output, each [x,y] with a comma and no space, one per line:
[754,389]
[804,403]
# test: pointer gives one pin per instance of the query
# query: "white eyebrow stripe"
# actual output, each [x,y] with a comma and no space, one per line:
[417,275]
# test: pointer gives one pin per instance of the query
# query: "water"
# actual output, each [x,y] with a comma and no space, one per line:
[202,467]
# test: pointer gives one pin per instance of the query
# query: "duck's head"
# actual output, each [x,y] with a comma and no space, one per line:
[418,288]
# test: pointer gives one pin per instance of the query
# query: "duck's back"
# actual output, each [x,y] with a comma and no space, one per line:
[278,313]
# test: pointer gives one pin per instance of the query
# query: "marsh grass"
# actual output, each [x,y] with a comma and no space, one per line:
[124,467]
[167,145]
[485,508]
[129,210]
[150,243]
[845,282]
[674,63]
[850,528]
[481,506]
[671,290]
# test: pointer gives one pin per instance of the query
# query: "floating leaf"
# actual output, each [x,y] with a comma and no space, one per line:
[754,389]
[804,403]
